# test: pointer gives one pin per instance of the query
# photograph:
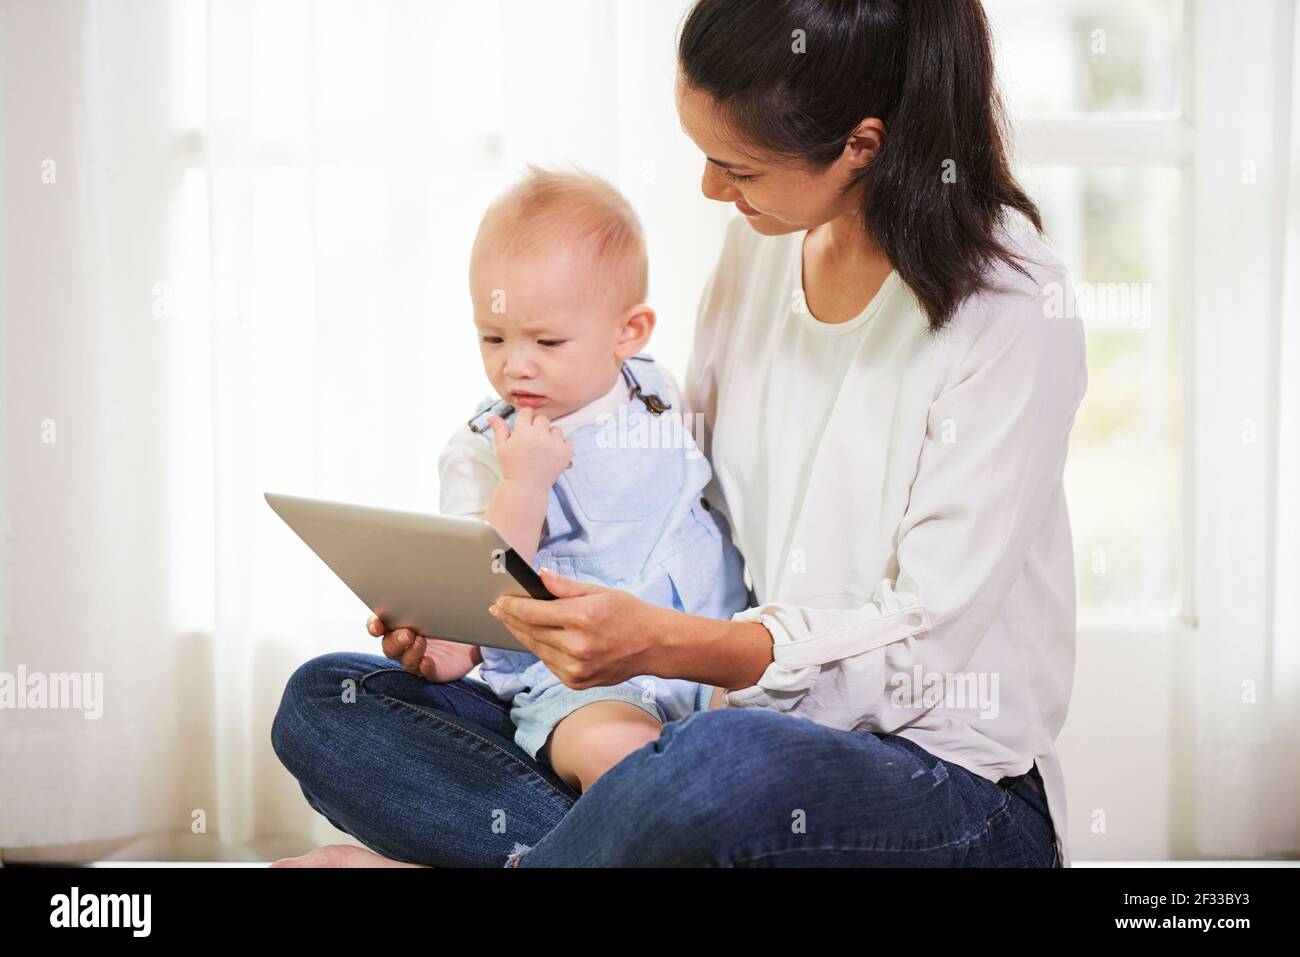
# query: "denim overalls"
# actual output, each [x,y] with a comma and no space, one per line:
[628,513]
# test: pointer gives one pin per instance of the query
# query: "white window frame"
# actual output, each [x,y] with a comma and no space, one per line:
[1227,116]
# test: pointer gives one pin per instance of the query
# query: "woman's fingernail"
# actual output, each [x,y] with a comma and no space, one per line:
[549,571]
[492,610]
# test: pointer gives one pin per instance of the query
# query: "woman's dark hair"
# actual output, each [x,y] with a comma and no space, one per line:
[925,69]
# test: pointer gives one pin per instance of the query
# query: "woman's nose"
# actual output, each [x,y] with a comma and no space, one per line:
[715,185]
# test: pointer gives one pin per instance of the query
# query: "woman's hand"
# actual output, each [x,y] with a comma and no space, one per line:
[433,659]
[589,636]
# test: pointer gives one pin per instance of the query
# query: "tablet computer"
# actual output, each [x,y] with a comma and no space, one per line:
[435,574]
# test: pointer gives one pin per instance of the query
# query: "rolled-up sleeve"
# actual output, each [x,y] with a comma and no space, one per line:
[989,470]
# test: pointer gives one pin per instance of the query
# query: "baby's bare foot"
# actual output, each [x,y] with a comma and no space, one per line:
[341,855]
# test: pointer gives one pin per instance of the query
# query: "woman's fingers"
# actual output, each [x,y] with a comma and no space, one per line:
[414,655]
[414,651]
[530,633]
[397,643]
[550,644]
[429,664]
[535,612]
[375,627]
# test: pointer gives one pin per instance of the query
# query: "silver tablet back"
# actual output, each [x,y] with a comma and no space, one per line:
[436,574]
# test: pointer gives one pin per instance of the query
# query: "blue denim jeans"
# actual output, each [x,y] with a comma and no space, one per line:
[430,774]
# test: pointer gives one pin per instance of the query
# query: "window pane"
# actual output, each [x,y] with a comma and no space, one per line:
[1088,55]
[1119,231]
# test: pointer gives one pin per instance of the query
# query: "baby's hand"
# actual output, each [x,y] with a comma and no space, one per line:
[535,453]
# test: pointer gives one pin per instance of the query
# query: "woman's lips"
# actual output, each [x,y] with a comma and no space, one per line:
[529,399]
[746,208]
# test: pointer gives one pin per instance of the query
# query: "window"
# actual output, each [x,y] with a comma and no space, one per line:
[1096,93]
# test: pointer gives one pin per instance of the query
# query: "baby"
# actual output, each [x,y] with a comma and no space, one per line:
[560,463]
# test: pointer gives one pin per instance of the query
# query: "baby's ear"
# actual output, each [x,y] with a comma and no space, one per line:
[636,324]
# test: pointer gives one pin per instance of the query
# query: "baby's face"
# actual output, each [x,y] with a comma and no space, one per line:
[547,342]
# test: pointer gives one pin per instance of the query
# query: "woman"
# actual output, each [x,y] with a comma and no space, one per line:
[888,366]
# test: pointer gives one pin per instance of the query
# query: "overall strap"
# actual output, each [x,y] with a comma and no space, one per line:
[478,422]
[651,399]
[654,382]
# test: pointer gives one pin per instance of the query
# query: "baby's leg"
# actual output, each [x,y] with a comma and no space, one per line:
[589,741]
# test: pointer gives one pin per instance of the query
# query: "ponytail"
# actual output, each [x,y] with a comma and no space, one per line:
[940,185]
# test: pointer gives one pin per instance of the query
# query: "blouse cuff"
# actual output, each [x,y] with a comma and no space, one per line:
[806,639]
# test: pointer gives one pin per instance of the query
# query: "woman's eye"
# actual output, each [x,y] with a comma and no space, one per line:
[736,178]
[551,342]
[492,339]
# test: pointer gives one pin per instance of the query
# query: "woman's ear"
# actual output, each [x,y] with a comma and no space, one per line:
[864,143]
[635,325]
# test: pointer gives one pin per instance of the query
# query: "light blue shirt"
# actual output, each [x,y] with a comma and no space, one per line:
[629,513]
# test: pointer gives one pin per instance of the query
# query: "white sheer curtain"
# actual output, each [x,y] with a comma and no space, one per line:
[1243,666]
[250,274]
[89,180]
[1282,831]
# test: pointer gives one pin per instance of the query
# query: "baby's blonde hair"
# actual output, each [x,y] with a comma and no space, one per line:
[545,207]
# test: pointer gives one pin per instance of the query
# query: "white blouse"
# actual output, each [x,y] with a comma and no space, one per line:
[898,500]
